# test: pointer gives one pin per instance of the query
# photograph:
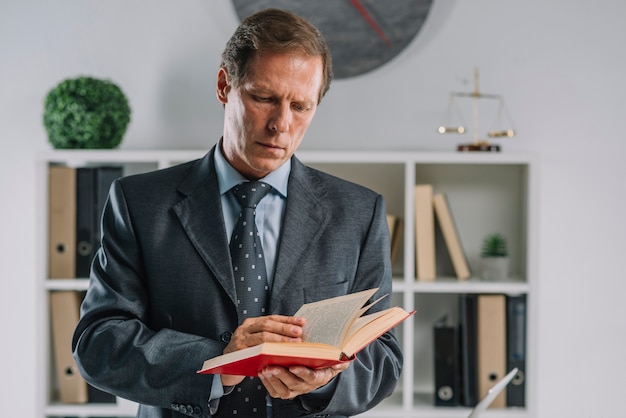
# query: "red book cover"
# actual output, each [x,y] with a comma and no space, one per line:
[250,361]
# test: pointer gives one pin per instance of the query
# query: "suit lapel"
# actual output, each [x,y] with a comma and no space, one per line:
[305,217]
[200,214]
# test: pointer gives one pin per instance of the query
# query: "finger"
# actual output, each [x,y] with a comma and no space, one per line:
[273,380]
[272,328]
[319,377]
[341,367]
[287,326]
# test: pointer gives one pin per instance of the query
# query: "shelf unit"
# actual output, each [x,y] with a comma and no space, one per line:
[487,192]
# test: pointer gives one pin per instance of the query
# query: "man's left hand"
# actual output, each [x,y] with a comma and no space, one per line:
[287,383]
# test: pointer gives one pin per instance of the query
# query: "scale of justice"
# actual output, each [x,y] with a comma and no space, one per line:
[453,114]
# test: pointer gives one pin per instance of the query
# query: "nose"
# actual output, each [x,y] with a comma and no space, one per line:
[281,119]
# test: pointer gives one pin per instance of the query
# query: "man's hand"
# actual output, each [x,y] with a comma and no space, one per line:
[254,331]
[287,383]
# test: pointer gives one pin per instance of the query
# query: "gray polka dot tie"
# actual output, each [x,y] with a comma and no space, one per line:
[248,398]
[247,253]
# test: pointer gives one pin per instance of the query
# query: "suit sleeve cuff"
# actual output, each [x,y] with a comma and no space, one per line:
[217,391]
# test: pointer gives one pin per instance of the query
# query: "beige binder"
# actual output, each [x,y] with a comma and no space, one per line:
[62,222]
[491,345]
[64,314]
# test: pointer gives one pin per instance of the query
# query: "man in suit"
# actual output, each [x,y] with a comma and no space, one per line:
[162,296]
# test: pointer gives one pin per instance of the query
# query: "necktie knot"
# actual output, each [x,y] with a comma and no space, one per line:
[250,193]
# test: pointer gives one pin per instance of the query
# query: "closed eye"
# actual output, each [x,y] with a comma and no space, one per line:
[263,99]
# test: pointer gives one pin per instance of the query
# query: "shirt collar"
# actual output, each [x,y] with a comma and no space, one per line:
[228,177]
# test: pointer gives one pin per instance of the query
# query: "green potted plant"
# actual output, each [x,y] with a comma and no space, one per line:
[86,112]
[494,257]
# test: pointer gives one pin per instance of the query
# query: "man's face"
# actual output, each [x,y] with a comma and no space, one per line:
[268,113]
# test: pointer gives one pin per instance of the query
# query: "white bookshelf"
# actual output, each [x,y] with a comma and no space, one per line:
[487,192]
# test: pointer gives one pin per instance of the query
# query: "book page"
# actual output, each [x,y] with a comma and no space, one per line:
[371,327]
[329,320]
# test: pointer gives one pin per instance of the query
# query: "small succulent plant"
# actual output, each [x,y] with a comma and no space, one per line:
[494,245]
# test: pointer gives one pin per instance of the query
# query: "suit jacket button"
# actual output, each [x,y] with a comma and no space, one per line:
[197,411]
[175,406]
[226,336]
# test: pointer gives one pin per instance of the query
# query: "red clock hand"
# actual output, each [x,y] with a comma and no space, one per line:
[357,4]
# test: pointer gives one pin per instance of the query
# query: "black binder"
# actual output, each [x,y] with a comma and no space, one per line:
[469,349]
[92,188]
[447,363]
[84,220]
[105,176]
[516,348]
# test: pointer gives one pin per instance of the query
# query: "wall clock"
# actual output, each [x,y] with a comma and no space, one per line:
[362,34]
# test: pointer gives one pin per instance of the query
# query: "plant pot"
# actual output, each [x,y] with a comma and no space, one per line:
[494,268]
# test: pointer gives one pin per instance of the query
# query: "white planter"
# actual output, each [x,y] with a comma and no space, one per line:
[494,268]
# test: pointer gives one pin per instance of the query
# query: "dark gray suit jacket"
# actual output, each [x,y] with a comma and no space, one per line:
[161,297]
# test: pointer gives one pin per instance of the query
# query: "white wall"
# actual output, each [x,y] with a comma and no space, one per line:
[560,65]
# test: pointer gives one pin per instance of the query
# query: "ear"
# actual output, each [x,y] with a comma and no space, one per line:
[222,86]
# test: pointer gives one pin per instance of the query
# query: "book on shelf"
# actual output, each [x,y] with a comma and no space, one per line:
[424,233]
[336,330]
[395,225]
[451,236]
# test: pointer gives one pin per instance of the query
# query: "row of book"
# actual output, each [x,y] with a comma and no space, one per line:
[433,219]
[432,211]
[76,198]
[471,356]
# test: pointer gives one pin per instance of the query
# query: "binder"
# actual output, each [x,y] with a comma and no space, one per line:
[516,348]
[451,236]
[469,356]
[61,222]
[85,180]
[64,315]
[424,233]
[491,344]
[92,188]
[447,369]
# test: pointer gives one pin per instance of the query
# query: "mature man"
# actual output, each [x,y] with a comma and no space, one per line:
[165,293]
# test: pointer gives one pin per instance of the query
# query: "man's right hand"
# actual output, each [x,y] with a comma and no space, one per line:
[254,331]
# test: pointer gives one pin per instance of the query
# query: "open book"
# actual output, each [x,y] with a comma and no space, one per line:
[335,331]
